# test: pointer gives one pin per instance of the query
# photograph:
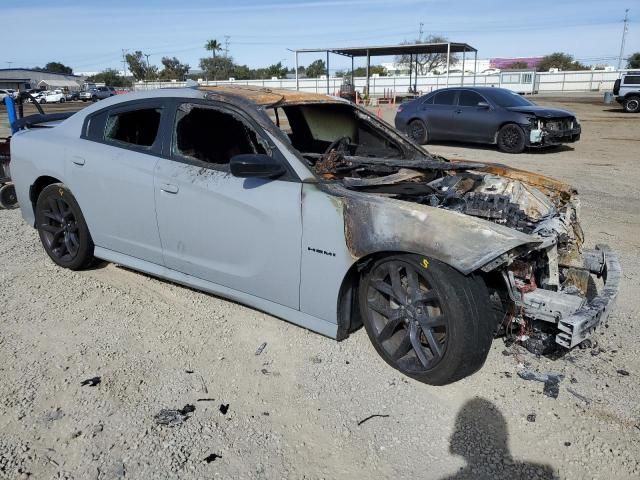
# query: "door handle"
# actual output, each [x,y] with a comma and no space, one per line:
[458,111]
[169,188]
[78,160]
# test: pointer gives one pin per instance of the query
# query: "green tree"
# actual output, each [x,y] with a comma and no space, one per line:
[218,67]
[634,60]
[173,69]
[213,46]
[316,68]
[428,62]
[139,68]
[55,67]
[517,65]
[111,78]
[362,71]
[561,61]
[276,70]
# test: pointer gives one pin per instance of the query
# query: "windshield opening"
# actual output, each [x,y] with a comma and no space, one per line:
[507,98]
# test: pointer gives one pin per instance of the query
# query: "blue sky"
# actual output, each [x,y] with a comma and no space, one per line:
[90,36]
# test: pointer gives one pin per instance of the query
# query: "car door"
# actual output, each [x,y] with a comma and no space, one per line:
[438,116]
[110,172]
[241,233]
[474,118]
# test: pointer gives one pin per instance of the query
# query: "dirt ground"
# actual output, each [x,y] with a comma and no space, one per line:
[297,409]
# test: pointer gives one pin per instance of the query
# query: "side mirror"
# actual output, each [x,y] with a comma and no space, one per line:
[256,165]
[483,106]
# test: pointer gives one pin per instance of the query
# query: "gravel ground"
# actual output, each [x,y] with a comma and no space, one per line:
[297,410]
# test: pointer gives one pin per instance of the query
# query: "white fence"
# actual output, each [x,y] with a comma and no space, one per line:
[580,81]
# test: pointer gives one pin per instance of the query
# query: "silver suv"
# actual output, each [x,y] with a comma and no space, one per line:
[627,91]
[97,93]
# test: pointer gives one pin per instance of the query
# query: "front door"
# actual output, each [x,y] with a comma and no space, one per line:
[242,233]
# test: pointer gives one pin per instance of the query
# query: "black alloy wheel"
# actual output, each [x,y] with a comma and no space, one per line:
[632,105]
[8,197]
[62,228]
[425,319]
[511,139]
[417,131]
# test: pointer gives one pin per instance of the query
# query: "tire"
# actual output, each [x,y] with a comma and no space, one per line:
[44,100]
[511,139]
[428,321]
[8,197]
[84,99]
[94,99]
[62,100]
[63,231]
[632,104]
[417,131]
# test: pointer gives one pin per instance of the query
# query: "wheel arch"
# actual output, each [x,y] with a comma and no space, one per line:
[36,188]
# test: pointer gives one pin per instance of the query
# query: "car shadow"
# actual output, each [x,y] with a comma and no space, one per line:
[482,439]
[488,147]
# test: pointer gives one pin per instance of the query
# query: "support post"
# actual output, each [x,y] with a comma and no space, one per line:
[415,78]
[327,72]
[464,51]
[368,64]
[475,68]
[352,79]
[410,68]
[448,61]
[297,80]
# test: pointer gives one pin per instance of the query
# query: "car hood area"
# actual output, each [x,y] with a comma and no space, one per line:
[466,214]
[542,112]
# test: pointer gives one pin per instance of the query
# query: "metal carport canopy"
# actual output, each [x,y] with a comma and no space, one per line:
[388,50]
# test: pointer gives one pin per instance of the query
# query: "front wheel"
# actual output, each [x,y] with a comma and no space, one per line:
[511,139]
[63,231]
[62,100]
[8,197]
[417,131]
[632,104]
[425,319]
[44,100]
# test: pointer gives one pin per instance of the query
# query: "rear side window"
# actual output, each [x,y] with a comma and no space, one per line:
[444,98]
[632,80]
[136,127]
[468,98]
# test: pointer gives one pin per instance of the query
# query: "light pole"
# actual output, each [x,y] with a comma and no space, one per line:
[625,29]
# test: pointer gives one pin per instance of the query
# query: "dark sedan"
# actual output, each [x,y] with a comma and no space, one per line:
[486,115]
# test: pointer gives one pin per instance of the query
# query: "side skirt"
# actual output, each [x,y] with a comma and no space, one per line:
[294,316]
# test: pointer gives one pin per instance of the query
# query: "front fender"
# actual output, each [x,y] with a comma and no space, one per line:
[375,224]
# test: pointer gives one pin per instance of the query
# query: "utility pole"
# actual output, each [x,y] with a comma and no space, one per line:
[146,76]
[420,33]
[124,62]
[625,29]
[226,45]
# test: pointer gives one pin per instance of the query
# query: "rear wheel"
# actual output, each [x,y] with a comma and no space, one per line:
[417,131]
[44,100]
[511,139]
[632,104]
[8,197]
[425,319]
[62,100]
[62,228]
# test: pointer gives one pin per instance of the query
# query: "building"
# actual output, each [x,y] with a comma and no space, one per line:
[397,69]
[26,78]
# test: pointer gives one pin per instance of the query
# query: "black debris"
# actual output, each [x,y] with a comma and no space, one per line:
[206,400]
[224,408]
[507,374]
[316,359]
[624,373]
[551,381]
[261,348]
[174,417]
[211,458]
[577,395]
[347,362]
[188,371]
[574,380]
[265,371]
[370,417]
[567,444]
[266,414]
[531,417]
[92,382]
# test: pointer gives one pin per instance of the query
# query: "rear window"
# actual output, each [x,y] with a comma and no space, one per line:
[137,127]
[632,80]
[444,98]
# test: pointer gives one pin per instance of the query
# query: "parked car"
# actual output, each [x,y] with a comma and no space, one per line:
[627,91]
[486,115]
[71,96]
[56,96]
[309,208]
[97,93]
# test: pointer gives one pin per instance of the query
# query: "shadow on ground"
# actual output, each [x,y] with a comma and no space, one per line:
[481,437]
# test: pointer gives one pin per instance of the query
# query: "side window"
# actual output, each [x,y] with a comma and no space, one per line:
[632,80]
[510,78]
[213,136]
[467,98]
[444,98]
[135,127]
[429,101]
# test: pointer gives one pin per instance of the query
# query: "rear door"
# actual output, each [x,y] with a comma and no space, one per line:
[110,172]
[439,115]
[241,233]
[474,122]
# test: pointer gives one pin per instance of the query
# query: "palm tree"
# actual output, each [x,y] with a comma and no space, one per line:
[213,46]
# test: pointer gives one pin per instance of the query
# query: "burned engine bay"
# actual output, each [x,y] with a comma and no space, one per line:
[547,292]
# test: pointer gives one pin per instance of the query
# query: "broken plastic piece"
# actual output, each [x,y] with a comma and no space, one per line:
[261,348]
[92,382]
[224,408]
[551,381]
[211,458]
[174,417]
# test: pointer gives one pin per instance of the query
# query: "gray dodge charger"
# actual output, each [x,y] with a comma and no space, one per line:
[311,209]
